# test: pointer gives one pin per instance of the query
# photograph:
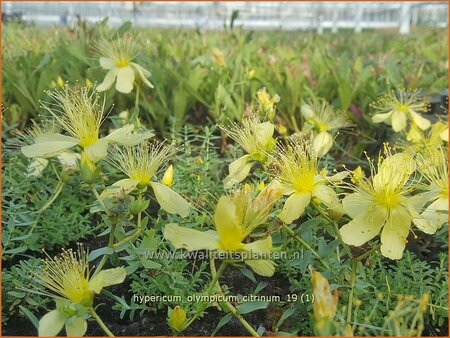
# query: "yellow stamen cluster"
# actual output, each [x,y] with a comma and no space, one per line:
[254,136]
[141,162]
[297,165]
[67,276]
[401,100]
[323,117]
[77,111]
[122,50]
[433,166]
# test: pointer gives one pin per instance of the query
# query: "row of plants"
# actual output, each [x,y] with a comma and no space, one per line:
[263,150]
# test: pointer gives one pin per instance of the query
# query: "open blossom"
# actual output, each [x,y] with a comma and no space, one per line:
[235,218]
[397,107]
[141,163]
[68,280]
[78,112]
[296,167]
[433,166]
[117,57]
[382,203]
[256,139]
[322,120]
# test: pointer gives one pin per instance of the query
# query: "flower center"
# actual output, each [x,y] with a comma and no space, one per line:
[142,176]
[322,127]
[387,199]
[88,141]
[122,62]
[403,108]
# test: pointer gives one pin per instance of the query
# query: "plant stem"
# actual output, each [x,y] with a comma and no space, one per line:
[338,234]
[136,233]
[306,245]
[244,323]
[216,276]
[110,245]
[368,253]
[352,289]
[100,323]
[138,92]
[97,196]
[56,193]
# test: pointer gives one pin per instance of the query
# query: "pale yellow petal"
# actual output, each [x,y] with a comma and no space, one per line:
[356,204]
[107,63]
[143,74]
[328,197]
[69,160]
[294,207]
[49,146]
[238,171]
[108,80]
[420,121]
[398,121]
[97,151]
[363,227]
[51,324]
[36,167]
[261,246]
[124,137]
[395,231]
[227,224]
[106,278]
[76,326]
[190,239]
[125,80]
[444,135]
[264,132]
[322,143]
[169,200]
[120,188]
[378,118]
[262,267]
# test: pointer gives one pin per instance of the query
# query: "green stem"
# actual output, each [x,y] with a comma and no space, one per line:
[352,289]
[110,245]
[52,199]
[244,323]
[97,196]
[138,92]
[136,233]
[216,276]
[100,323]
[338,234]
[368,253]
[306,245]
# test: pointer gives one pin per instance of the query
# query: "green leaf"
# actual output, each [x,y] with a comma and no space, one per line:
[30,316]
[222,323]
[100,252]
[251,306]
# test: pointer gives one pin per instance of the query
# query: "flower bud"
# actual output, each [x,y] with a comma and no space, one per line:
[177,318]
[88,170]
[168,176]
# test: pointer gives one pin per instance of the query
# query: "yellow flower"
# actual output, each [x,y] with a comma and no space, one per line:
[433,167]
[296,166]
[235,218]
[267,103]
[168,176]
[396,107]
[321,118]
[177,318]
[68,280]
[324,305]
[67,159]
[140,164]
[382,202]
[256,139]
[60,81]
[117,57]
[218,58]
[79,113]
[433,137]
